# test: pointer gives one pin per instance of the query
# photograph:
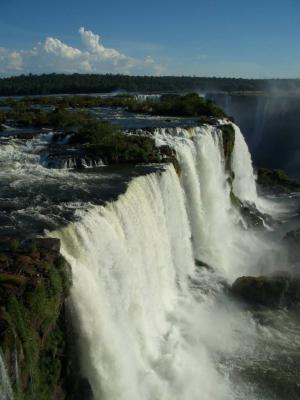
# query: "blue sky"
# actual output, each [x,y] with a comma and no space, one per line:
[206,38]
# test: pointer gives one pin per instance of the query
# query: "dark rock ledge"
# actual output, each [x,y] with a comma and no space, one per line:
[273,291]
[276,181]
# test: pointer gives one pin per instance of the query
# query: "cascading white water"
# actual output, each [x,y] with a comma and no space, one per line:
[143,332]
[216,234]
[5,386]
[131,261]
[244,181]
[145,97]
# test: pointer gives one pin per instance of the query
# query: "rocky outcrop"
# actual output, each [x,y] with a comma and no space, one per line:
[276,181]
[252,217]
[279,290]
[128,149]
[228,136]
[61,160]
[34,282]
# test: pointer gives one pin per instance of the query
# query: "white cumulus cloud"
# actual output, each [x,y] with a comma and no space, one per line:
[93,45]
[53,55]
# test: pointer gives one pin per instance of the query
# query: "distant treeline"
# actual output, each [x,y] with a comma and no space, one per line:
[96,83]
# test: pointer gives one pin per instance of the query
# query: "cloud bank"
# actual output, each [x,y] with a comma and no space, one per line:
[55,56]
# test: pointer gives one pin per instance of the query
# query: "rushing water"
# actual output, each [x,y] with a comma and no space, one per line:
[152,325]
[5,386]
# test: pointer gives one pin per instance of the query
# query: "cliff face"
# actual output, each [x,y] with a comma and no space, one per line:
[270,125]
[35,280]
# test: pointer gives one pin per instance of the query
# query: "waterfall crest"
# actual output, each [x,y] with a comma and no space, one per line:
[132,263]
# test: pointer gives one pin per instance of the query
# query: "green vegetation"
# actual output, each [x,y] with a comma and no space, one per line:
[94,132]
[87,127]
[32,295]
[32,111]
[277,180]
[97,138]
[75,101]
[96,83]
[190,105]
[101,139]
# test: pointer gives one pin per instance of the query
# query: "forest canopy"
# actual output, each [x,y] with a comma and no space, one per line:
[106,83]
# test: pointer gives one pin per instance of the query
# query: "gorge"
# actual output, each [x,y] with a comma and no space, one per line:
[270,123]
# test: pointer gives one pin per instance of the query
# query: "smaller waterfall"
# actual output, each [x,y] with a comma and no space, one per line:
[145,97]
[244,186]
[6,392]
[216,235]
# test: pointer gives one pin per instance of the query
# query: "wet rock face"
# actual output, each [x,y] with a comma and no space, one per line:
[280,290]
[252,217]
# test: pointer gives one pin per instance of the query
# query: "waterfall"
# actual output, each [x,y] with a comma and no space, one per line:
[5,387]
[214,223]
[244,181]
[143,331]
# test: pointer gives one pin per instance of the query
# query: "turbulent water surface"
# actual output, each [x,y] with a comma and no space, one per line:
[150,324]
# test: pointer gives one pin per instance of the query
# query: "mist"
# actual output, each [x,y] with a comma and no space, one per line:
[270,122]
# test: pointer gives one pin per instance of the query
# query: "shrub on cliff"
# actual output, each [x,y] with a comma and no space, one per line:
[190,105]
[118,148]
[277,180]
[32,318]
[28,117]
[93,131]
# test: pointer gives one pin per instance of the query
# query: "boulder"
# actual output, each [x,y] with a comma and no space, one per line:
[278,290]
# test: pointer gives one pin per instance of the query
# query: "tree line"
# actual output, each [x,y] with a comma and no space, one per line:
[106,83]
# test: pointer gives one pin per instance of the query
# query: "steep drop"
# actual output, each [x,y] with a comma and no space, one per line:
[151,324]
